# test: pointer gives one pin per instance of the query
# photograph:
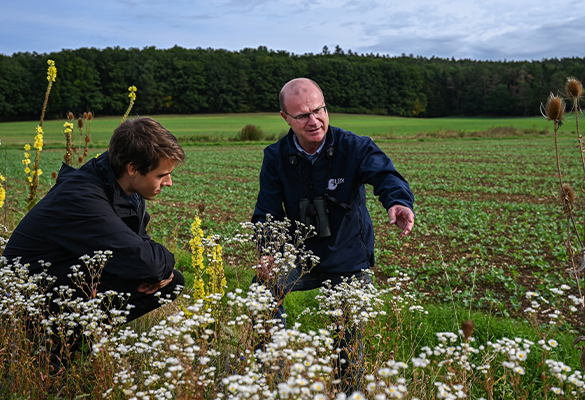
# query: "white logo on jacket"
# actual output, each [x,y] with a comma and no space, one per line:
[334,182]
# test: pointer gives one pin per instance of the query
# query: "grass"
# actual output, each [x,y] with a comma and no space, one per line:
[225,127]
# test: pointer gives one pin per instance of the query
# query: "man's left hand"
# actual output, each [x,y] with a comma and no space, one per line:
[403,217]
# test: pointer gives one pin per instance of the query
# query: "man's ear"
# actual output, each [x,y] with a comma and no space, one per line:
[131,170]
[283,115]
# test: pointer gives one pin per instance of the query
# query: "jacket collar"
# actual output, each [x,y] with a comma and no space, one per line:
[100,168]
[292,148]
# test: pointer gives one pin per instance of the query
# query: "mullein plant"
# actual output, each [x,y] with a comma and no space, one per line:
[69,146]
[132,95]
[33,171]
[209,277]
[2,191]
[3,230]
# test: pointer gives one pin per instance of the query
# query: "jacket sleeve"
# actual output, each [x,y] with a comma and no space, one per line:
[91,224]
[271,193]
[377,169]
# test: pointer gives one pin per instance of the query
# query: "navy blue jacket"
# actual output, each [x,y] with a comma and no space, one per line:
[346,163]
[87,210]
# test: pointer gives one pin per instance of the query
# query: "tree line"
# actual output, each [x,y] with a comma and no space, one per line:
[185,81]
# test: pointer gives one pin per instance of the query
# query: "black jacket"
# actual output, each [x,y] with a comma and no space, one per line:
[345,164]
[85,211]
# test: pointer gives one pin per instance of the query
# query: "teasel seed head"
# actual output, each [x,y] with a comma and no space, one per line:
[555,108]
[84,115]
[568,194]
[467,327]
[574,88]
[54,174]
[89,116]
[80,123]
[70,116]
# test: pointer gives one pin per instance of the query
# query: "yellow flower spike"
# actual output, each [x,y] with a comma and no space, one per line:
[51,71]
[208,270]
[27,147]
[199,288]
[132,95]
[38,145]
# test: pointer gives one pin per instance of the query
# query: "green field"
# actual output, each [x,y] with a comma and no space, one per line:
[489,226]
[486,206]
[224,127]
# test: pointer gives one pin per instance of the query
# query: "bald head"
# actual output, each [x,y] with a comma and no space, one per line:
[303,108]
[296,87]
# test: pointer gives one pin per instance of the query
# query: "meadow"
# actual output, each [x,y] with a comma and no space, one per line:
[224,127]
[488,240]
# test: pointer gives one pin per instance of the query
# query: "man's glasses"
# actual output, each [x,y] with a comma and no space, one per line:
[304,118]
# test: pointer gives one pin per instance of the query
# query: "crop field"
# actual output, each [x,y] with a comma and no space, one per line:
[489,226]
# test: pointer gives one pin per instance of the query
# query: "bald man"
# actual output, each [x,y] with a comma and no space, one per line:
[316,175]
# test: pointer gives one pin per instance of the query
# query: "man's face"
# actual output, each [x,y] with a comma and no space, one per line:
[151,184]
[311,133]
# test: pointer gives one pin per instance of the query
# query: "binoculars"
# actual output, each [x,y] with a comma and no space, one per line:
[314,213]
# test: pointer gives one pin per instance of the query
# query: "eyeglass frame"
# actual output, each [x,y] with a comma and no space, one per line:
[307,115]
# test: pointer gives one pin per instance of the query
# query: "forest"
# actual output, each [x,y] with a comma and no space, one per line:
[201,81]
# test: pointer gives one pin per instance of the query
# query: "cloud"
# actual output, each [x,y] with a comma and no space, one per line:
[498,29]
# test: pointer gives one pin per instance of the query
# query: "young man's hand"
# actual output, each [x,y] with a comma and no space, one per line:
[403,217]
[150,288]
[264,270]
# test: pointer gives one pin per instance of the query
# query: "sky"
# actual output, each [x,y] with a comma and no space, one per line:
[462,29]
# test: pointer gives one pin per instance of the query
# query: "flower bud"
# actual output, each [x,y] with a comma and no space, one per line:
[574,88]
[568,194]
[555,108]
